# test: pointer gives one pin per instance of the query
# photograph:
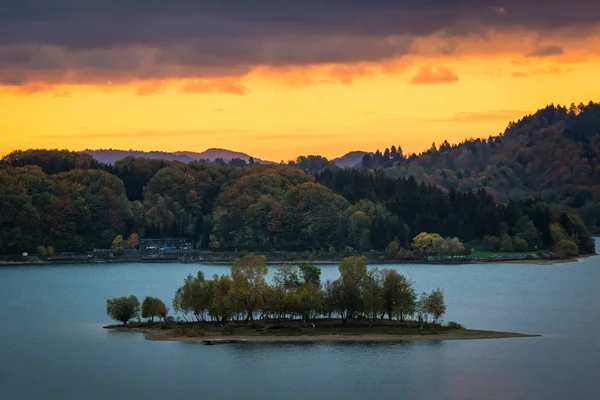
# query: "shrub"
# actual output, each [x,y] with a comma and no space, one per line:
[228,329]
[454,325]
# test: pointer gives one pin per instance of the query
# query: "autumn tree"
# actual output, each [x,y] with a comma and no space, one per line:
[41,251]
[566,248]
[346,290]
[194,297]
[133,241]
[248,276]
[118,245]
[153,307]
[424,243]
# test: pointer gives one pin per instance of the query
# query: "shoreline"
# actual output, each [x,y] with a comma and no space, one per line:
[458,334]
[281,262]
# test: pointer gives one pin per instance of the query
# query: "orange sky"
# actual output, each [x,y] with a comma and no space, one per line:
[278,113]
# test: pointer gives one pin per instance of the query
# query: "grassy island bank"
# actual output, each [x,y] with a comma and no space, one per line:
[324,330]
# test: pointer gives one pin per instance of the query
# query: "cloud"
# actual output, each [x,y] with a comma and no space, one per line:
[149,87]
[467,117]
[546,51]
[214,86]
[518,75]
[94,41]
[429,75]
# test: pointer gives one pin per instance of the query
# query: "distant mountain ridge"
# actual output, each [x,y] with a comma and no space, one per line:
[110,156]
[351,159]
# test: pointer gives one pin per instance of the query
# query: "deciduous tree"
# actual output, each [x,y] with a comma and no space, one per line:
[123,309]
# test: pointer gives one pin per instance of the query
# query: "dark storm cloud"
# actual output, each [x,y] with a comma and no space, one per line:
[86,40]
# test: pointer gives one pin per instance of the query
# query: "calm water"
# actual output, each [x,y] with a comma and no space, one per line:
[52,345]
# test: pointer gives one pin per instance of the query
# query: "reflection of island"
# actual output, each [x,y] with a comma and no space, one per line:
[362,304]
[321,330]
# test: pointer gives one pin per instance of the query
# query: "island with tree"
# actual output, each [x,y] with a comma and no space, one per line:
[362,304]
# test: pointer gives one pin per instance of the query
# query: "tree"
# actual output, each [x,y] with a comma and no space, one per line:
[455,246]
[133,241]
[287,276]
[435,304]
[123,308]
[193,297]
[526,229]
[393,248]
[423,242]
[371,294]
[310,300]
[248,276]
[506,243]
[439,246]
[118,245]
[519,244]
[153,307]
[398,295]
[221,307]
[162,311]
[41,251]
[492,242]
[310,274]
[354,268]
[566,248]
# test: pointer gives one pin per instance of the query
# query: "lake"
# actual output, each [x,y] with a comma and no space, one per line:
[53,345]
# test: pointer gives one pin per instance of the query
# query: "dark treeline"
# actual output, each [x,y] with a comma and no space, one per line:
[69,202]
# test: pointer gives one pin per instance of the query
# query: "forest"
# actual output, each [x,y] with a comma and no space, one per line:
[61,201]
[552,155]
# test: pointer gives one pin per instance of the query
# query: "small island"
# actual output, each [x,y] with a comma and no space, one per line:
[363,304]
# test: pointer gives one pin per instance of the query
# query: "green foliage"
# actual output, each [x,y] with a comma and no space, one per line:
[310,274]
[74,210]
[63,200]
[506,243]
[52,161]
[566,248]
[519,244]
[154,307]
[552,154]
[248,277]
[123,309]
[432,304]
[398,295]
[454,325]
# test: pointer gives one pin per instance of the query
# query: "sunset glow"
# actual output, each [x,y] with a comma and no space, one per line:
[407,88]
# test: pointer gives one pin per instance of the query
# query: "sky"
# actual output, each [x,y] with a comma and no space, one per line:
[277,79]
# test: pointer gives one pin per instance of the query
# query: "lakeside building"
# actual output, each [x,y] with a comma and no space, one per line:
[165,244]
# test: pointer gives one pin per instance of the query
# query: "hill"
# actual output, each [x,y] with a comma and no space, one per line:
[111,156]
[66,201]
[350,160]
[553,154]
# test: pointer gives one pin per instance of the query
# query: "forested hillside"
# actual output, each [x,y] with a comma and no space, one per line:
[72,203]
[553,154]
